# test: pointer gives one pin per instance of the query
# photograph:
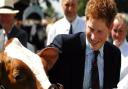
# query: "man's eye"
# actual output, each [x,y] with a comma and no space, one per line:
[119,31]
[99,31]
[115,30]
[91,30]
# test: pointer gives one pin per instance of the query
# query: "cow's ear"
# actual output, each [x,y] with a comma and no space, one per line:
[49,56]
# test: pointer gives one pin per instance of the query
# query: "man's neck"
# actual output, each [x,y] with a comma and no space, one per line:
[8,28]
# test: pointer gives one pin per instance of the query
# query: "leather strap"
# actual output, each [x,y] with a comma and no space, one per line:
[56,86]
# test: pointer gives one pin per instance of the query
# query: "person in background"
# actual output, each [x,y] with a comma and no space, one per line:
[71,21]
[118,34]
[75,66]
[7,20]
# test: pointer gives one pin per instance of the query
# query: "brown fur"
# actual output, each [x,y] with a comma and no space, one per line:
[15,74]
[49,57]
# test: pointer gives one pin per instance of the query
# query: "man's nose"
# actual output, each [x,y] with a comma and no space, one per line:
[117,33]
[70,8]
[93,36]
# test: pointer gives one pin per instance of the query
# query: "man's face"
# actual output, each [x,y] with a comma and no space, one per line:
[118,32]
[6,19]
[70,9]
[96,33]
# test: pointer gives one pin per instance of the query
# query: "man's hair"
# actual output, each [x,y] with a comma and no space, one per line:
[61,1]
[122,17]
[101,9]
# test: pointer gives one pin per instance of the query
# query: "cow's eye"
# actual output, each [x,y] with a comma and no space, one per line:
[19,75]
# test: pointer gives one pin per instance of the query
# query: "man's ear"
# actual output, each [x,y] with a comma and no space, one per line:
[49,56]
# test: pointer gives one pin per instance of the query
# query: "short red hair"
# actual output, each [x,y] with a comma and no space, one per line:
[101,9]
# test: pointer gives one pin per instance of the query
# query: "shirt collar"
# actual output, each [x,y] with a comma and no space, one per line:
[89,50]
[74,23]
[123,44]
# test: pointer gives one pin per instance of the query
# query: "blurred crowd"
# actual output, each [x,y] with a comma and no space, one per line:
[32,20]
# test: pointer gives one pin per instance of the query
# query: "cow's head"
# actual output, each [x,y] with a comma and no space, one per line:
[15,74]
[23,69]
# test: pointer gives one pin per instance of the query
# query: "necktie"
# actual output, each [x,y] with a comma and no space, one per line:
[70,30]
[95,73]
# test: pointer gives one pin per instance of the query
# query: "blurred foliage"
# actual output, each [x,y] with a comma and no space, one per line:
[122,5]
[81,7]
[49,12]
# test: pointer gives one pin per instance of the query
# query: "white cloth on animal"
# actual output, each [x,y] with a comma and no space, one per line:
[124,67]
[123,84]
[16,50]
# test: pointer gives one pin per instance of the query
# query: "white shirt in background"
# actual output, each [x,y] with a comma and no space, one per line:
[123,83]
[62,26]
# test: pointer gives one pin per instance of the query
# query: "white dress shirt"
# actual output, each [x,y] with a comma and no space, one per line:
[124,58]
[62,26]
[123,83]
[88,62]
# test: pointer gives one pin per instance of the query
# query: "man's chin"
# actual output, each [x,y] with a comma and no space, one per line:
[94,47]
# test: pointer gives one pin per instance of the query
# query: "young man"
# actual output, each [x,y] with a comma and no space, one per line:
[73,69]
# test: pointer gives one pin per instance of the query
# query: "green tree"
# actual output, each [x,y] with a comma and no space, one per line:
[81,7]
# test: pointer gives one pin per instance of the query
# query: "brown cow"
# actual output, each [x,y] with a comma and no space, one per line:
[23,69]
